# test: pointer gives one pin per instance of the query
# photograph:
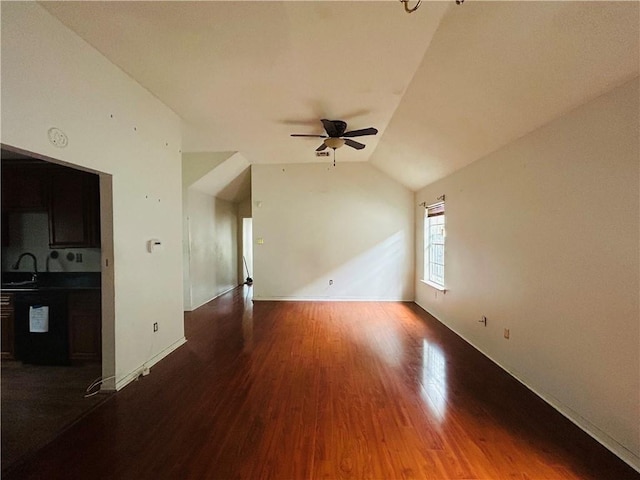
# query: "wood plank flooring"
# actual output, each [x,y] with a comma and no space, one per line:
[39,402]
[287,390]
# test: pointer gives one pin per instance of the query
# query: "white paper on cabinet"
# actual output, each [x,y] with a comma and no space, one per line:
[38,319]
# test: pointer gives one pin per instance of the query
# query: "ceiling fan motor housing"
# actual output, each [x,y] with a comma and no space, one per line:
[339,126]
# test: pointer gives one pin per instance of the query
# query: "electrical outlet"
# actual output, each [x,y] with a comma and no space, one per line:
[506,333]
[78,257]
[155,326]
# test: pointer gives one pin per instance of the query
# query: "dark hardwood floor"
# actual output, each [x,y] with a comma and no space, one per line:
[288,390]
[39,402]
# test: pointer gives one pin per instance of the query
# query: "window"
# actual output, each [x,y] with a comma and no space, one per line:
[434,236]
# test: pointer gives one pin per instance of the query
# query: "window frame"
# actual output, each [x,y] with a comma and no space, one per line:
[434,211]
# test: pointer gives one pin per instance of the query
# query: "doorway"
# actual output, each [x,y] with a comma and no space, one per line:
[53,215]
[247,248]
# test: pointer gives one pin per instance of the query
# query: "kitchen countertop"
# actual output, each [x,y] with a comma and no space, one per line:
[50,281]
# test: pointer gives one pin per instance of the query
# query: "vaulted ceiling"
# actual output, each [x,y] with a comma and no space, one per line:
[444,85]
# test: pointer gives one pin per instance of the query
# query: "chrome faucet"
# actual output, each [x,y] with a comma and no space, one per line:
[34,275]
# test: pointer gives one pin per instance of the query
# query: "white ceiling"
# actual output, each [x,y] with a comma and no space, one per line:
[444,86]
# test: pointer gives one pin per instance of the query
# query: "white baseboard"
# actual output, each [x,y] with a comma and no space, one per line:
[207,301]
[328,299]
[585,425]
[135,373]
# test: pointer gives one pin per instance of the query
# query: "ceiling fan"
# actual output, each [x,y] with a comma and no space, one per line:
[337,135]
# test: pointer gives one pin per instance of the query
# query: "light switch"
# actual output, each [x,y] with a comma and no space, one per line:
[260,241]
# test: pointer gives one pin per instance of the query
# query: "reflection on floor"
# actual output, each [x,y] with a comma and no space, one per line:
[38,402]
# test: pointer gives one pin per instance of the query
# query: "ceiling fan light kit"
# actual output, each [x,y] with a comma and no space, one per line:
[333,142]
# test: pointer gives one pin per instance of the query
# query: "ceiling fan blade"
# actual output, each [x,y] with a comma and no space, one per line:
[354,144]
[321,147]
[330,127]
[361,132]
[306,135]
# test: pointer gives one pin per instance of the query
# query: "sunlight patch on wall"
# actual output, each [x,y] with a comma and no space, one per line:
[378,272]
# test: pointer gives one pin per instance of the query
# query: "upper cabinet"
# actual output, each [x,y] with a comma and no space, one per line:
[24,187]
[70,197]
[74,211]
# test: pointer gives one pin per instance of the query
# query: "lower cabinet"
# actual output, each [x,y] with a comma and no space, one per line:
[85,326]
[7,321]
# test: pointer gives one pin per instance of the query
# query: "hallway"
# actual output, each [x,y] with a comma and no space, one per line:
[293,390]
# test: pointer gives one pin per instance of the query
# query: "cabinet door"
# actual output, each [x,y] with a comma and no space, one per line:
[6,327]
[72,218]
[85,326]
[24,187]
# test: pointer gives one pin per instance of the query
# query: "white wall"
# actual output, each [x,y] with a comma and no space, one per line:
[213,257]
[543,239]
[349,223]
[52,78]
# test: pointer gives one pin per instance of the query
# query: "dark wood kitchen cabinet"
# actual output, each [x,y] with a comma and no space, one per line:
[74,209]
[70,197]
[7,349]
[85,326]
[24,187]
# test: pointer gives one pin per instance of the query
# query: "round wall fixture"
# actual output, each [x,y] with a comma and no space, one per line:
[57,137]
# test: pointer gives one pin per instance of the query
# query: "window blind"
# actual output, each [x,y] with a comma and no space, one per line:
[435,209]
